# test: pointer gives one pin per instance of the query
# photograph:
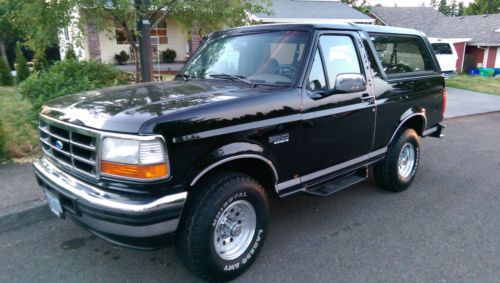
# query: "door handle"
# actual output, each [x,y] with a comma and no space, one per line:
[367,98]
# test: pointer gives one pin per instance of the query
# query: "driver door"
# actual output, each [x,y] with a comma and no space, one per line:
[338,128]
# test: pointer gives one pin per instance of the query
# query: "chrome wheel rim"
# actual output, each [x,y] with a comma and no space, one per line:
[406,161]
[235,229]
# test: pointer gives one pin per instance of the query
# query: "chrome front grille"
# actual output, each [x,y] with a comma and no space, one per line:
[72,147]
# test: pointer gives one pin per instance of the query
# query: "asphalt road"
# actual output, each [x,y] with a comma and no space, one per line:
[446,228]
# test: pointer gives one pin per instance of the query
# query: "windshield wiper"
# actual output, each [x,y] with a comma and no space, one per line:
[232,77]
[184,76]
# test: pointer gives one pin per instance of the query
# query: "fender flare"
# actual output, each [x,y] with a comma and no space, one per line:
[405,117]
[231,152]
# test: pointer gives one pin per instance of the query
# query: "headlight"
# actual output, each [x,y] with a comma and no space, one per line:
[136,159]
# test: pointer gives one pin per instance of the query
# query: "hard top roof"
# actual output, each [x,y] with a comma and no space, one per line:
[323,26]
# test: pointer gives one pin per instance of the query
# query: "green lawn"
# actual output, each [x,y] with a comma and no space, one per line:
[489,85]
[21,142]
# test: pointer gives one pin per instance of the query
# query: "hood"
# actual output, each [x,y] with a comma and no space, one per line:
[125,109]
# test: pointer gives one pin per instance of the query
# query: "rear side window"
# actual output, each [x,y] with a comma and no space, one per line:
[402,54]
[442,48]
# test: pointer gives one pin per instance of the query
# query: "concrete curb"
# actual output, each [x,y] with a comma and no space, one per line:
[21,215]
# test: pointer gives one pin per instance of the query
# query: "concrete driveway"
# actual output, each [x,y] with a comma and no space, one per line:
[464,102]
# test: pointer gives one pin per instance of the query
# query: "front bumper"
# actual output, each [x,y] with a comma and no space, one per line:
[130,220]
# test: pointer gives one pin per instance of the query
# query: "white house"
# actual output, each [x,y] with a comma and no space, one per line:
[103,45]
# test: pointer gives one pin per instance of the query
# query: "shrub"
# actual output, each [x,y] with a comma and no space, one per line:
[66,77]
[22,70]
[168,56]
[70,53]
[5,74]
[122,57]
[2,141]
[40,60]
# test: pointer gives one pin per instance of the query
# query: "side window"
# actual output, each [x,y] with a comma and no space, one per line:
[402,54]
[340,56]
[317,76]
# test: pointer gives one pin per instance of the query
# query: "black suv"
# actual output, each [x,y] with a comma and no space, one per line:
[260,110]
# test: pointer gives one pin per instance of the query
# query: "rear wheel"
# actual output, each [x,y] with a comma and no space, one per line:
[223,226]
[398,169]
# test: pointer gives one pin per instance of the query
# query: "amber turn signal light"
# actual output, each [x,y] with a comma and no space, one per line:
[135,171]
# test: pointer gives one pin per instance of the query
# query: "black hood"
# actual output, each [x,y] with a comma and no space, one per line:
[126,108]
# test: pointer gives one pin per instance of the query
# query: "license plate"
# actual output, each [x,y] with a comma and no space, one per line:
[54,203]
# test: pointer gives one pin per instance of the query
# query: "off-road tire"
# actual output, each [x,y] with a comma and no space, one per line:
[195,243]
[386,173]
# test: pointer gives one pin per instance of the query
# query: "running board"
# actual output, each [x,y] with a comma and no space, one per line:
[339,183]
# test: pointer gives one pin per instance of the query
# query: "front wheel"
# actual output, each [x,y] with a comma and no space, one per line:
[223,226]
[397,171]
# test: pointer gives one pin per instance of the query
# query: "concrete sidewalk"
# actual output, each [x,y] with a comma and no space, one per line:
[22,201]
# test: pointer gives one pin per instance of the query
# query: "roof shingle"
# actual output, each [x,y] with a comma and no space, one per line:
[310,9]
[481,28]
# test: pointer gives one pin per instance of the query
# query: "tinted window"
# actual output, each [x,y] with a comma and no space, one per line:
[442,48]
[340,56]
[317,76]
[268,57]
[402,54]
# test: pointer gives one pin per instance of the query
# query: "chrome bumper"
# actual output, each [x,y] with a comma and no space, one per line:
[110,215]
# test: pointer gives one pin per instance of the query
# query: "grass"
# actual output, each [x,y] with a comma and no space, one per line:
[21,141]
[489,85]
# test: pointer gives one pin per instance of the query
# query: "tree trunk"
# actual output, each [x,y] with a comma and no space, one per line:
[3,51]
[137,68]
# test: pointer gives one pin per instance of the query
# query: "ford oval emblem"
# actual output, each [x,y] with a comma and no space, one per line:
[59,144]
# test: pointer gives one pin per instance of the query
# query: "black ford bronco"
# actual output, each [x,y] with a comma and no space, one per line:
[260,110]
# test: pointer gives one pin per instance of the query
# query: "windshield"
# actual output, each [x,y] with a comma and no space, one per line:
[268,58]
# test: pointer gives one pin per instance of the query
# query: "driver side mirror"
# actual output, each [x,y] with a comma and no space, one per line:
[344,83]
[349,82]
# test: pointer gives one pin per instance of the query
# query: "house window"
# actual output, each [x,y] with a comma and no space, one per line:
[158,34]
[120,35]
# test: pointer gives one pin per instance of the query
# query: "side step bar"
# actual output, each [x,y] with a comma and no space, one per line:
[339,183]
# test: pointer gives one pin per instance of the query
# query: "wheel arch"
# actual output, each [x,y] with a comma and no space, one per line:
[243,157]
[413,120]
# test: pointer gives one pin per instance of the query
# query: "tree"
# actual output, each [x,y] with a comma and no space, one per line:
[444,8]
[22,70]
[434,4]
[5,74]
[360,5]
[481,7]
[40,61]
[47,17]
[39,21]
[461,9]
[8,32]
[453,8]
